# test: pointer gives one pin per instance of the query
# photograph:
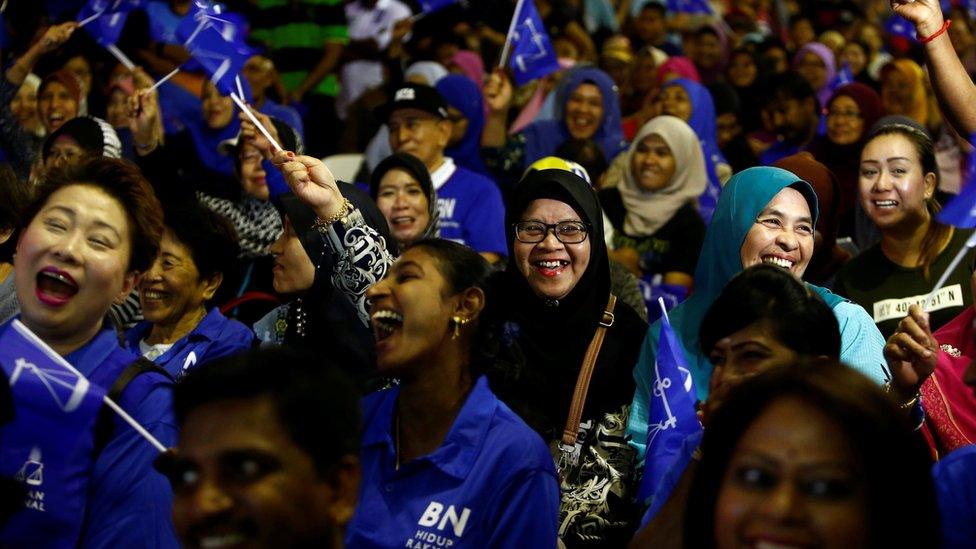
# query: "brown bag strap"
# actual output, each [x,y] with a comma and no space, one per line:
[586,372]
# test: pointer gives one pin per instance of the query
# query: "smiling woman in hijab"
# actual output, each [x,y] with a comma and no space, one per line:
[691,102]
[551,300]
[402,189]
[466,109]
[650,196]
[816,64]
[587,107]
[765,215]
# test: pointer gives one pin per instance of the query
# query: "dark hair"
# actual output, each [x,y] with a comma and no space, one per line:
[121,180]
[316,403]
[586,153]
[655,5]
[464,268]
[13,198]
[798,318]
[937,232]
[401,161]
[210,237]
[894,462]
[790,85]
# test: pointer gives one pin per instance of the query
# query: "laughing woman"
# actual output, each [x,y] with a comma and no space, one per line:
[898,181]
[88,233]
[441,447]
[402,189]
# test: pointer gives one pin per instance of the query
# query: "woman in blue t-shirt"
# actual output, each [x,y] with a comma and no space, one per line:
[443,460]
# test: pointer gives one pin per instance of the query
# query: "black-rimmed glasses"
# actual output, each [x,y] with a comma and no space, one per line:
[567,232]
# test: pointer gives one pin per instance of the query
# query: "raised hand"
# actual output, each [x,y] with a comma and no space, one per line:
[250,134]
[498,92]
[312,182]
[55,36]
[925,14]
[145,120]
[911,352]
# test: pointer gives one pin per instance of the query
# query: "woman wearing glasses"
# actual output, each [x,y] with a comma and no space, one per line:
[552,300]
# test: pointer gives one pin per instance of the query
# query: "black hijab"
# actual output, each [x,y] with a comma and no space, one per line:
[413,166]
[552,335]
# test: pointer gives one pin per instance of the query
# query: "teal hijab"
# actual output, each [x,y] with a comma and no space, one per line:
[742,200]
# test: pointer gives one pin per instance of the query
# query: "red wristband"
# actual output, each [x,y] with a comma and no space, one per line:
[936,34]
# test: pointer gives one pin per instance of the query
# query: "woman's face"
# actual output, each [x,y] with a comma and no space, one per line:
[793,480]
[811,67]
[72,263]
[782,234]
[894,187]
[584,111]
[742,70]
[253,177]
[65,151]
[293,270]
[741,355]
[855,57]
[218,111]
[897,92]
[674,100]
[172,288]
[55,106]
[404,205]
[117,110]
[652,163]
[844,121]
[24,107]
[411,312]
[551,267]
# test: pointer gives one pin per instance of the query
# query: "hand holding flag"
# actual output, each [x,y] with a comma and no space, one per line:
[533,55]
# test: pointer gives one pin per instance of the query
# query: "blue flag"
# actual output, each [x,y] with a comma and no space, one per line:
[844,77]
[898,26]
[49,447]
[110,16]
[215,39]
[672,420]
[532,53]
[694,7]
[961,210]
[430,6]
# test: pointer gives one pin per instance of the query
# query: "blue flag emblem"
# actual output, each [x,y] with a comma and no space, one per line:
[532,53]
[671,419]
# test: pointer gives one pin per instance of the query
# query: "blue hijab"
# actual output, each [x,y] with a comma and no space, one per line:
[742,200]
[543,137]
[464,95]
[703,122]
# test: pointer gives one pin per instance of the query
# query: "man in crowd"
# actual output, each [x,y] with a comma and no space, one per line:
[795,113]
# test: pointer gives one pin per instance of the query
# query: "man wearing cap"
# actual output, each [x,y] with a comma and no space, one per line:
[470,205]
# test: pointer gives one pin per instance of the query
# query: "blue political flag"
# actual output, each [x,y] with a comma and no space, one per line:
[672,420]
[694,7]
[430,6]
[104,19]
[961,210]
[49,447]
[898,26]
[532,53]
[215,39]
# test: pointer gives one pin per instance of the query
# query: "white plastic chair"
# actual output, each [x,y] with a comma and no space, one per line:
[344,166]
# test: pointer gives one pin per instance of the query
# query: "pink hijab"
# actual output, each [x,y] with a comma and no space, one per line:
[681,66]
[471,65]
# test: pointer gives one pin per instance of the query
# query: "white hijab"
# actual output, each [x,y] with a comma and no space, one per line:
[648,211]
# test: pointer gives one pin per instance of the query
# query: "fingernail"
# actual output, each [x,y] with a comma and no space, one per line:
[290,154]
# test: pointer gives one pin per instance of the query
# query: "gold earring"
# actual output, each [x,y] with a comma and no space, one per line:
[458,322]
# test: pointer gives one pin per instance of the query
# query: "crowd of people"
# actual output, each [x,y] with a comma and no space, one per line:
[462,345]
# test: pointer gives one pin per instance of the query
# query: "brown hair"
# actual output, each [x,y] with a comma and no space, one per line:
[937,234]
[121,180]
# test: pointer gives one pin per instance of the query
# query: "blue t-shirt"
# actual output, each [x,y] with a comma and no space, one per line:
[472,211]
[955,486]
[214,337]
[492,482]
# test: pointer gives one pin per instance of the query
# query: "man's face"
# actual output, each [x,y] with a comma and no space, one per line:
[420,134]
[239,480]
[793,118]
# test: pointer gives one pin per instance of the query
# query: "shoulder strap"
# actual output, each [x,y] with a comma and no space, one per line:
[571,431]
[103,425]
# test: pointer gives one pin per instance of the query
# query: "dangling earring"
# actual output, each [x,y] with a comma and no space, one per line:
[458,322]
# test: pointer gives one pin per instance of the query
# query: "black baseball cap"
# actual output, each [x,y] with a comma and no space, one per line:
[416,96]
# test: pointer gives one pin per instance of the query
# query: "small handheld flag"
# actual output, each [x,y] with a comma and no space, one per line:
[959,212]
[533,55]
[671,416]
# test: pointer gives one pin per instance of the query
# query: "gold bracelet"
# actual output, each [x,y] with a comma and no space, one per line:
[910,402]
[324,224]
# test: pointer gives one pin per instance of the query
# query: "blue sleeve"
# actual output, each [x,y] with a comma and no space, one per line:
[232,341]
[955,486]
[528,511]
[637,419]
[130,504]
[484,224]
[861,344]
